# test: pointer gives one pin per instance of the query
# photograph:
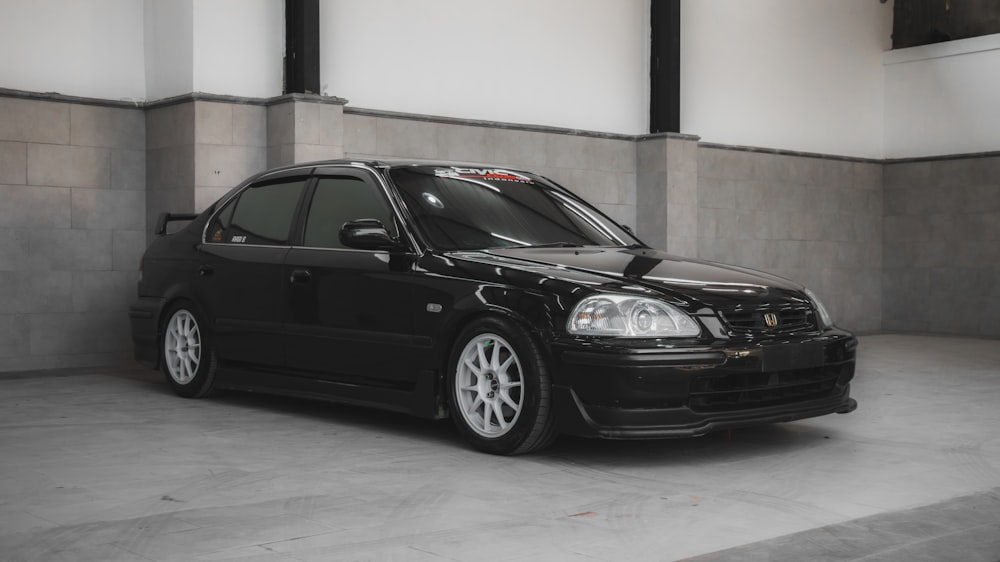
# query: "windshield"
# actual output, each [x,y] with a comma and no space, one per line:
[472,209]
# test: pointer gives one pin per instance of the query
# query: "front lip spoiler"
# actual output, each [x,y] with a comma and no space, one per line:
[586,425]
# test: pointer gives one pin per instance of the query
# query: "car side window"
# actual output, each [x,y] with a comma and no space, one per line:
[339,200]
[261,215]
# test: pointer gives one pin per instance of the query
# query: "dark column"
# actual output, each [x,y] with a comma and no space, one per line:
[302,47]
[921,22]
[665,67]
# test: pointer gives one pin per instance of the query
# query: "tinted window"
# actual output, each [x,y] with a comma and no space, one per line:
[468,209]
[261,214]
[339,200]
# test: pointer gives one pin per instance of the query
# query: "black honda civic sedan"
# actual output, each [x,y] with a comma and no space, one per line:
[493,296]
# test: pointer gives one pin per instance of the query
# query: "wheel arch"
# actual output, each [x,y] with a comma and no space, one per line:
[176,293]
[525,316]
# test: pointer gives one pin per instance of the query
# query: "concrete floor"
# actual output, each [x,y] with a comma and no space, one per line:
[109,465]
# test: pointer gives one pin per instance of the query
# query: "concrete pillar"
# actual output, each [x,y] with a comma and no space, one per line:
[667,192]
[170,144]
[303,128]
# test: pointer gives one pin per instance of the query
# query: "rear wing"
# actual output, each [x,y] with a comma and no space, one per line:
[164,218]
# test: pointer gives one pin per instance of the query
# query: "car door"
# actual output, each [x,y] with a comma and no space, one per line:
[349,311]
[240,274]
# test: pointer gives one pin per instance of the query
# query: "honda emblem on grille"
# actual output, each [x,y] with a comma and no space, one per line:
[771,319]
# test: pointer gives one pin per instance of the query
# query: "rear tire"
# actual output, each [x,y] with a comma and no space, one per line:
[500,391]
[188,361]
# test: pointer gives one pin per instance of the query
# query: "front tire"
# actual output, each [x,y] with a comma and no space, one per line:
[500,390]
[188,361]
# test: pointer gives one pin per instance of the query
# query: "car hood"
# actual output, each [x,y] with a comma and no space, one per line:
[705,282]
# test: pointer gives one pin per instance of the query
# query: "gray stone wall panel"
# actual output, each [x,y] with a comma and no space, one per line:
[170,168]
[34,121]
[314,152]
[13,338]
[69,166]
[35,207]
[401,138]
[69,250]
[462,143]
[360,134]
[331,125]
[250,125]
[13,249]
[104,209]
[941,252]
[128,169]
[307,123]
[13,163]
[227,166]
[170,126]
[127,247]
[78,334]
[521,149]
[107,127]
[213,123]
[281,124]
[43,292]
[103,291]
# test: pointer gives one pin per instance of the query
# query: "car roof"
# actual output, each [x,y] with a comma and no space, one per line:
[389,163]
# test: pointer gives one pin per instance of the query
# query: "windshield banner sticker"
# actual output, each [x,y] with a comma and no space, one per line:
[494,174]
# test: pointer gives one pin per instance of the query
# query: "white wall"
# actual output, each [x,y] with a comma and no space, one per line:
[570,63]
[169,48]
[943,98]
[238,47]
[90,49]
[791,74]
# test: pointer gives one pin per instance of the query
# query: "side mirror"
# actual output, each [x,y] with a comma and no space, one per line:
[368,234]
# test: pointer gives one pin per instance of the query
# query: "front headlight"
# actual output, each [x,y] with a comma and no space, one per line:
[628,316]
[824,317]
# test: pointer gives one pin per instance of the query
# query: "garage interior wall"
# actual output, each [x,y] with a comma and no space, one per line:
[802,76]
[888,243]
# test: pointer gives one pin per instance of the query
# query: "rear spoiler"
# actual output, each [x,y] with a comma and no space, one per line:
[164,218]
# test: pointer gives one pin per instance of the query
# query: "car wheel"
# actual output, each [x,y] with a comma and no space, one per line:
[500,391]
[188,360]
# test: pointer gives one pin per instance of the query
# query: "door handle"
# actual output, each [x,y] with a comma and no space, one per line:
[301,276]
[205,270]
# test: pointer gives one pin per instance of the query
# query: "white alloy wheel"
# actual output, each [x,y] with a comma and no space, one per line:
[489,385]
[182,347]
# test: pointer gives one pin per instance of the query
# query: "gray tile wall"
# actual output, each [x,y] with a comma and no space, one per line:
[170,162]
[815,220]
[667,185]
[302,130]
[72,216]
[942,246]
[230,144]
[197,150]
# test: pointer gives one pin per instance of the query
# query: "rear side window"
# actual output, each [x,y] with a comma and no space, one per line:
[339,200]
[261,215]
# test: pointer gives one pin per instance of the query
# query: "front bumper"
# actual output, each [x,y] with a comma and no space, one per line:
[615,391]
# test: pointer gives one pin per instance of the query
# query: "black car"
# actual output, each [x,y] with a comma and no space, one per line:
[492,296]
